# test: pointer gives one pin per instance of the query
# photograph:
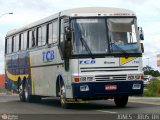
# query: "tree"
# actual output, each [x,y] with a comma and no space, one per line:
[150,71]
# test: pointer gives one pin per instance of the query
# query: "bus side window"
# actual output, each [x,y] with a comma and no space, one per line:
[9,45]
[33,37]
[42,35]
[23,41]
[55,31]
[39,36]
[16,43]
[12,46]
[50,33]
[30,39]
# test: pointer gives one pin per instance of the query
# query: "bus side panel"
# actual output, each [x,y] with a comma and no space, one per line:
[44,71]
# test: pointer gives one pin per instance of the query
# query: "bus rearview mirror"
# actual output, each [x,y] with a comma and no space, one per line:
[142,48]
[68,34]
[141,35]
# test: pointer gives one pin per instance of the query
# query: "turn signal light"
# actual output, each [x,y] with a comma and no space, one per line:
[76,79]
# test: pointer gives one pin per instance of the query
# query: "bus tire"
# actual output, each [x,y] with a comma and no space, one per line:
[21,92]
[63,101]
[27,94]
[22,96]
[121,100]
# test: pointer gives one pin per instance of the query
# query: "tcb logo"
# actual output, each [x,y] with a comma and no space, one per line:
[87,62]
[48,56]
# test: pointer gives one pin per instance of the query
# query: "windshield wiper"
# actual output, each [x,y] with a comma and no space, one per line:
[87,48]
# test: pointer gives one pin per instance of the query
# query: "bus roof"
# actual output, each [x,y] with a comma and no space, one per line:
[97,11]
[78,12]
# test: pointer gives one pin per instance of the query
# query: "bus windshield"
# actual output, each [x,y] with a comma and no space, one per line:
[98,35]
[93,32]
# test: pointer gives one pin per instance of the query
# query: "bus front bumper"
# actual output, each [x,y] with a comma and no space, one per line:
[100,90]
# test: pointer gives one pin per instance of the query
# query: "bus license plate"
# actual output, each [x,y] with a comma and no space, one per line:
[111,87]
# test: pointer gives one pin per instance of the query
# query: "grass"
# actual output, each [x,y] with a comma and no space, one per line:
[153,90]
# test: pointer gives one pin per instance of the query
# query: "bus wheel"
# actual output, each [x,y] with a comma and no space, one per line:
[21,93]
[121,100]
[63,101]
[27,94]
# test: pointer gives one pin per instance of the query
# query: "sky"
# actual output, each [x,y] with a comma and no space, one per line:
[25,12]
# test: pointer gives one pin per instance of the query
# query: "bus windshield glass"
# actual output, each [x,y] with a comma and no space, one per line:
[90,36]
[93,33]
[123,35]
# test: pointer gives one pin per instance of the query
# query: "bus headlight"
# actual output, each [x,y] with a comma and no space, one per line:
[83,79]
[135,77]
[86,79]
[131,77]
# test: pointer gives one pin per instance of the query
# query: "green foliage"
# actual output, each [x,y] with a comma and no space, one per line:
[149,71]
[153,90]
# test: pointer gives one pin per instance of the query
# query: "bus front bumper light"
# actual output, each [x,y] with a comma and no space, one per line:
[136,86]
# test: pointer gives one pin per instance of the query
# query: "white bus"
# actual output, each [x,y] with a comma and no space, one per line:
[73,55]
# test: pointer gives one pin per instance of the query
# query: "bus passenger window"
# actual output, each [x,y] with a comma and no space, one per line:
[9,45]
[14,43]
[33,37]
[30,39]
[17,42]
[55,31]
[41,36]
[23,40]
[50,33]
[44,28]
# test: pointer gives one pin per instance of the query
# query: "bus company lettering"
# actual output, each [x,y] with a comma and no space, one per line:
[87,62]
[48,56]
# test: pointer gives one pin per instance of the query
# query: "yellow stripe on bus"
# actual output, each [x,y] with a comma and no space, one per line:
[15,77]
[124,60]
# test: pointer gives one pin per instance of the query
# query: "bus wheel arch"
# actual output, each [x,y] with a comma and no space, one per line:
[60,91]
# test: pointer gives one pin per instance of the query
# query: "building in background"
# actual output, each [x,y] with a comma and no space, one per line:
[2,81]
[158,60]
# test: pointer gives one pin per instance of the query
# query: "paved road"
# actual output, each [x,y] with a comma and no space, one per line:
[138,107]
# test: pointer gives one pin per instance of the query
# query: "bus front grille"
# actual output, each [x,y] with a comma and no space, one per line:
[109,69]
[110,77]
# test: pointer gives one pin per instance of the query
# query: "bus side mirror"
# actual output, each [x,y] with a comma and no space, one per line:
[142,48]
[68,34]
[68,47]
[68,37]
[141,35]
